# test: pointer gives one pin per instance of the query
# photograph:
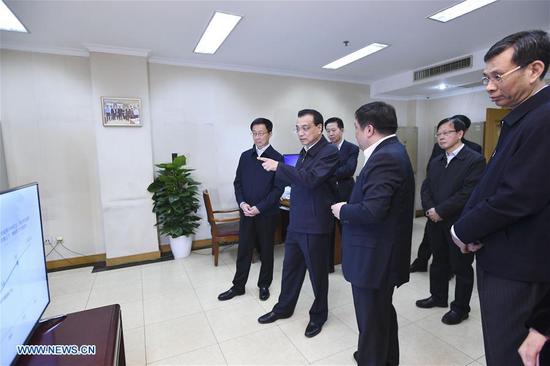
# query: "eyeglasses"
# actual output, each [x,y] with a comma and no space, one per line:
[498,78]
[258,134]
[444,133]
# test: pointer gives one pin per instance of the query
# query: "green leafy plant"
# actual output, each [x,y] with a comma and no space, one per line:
[175,198]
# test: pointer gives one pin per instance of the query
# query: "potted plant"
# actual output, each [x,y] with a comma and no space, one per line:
[176,202]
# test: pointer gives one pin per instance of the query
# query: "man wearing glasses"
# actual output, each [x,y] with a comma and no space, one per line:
[313,190]
[450,180]
[507,216]
[258,196]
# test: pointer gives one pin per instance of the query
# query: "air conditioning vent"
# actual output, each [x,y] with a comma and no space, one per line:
[463,63]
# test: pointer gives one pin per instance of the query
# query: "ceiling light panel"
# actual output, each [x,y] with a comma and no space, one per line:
[460,9]
[8,20]
[354,56]
[217,31]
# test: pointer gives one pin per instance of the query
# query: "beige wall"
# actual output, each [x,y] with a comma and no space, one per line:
[206,115]
[52,133]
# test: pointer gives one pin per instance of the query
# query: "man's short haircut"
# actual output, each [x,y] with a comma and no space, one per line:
[464,120]
[528,46]
[338,121]
[262,121]
[378,114]
[458,124]
[317,117]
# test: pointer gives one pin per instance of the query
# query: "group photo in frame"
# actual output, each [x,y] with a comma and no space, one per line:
[123,112]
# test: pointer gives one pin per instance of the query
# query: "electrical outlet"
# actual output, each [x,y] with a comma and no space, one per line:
[59,240]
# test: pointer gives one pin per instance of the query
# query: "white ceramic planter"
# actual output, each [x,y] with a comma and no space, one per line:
[181,246]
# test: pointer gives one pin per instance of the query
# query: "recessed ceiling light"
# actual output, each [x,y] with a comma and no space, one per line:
[354,56]
[442,86]
[460,9]
[8,20]
[217,31]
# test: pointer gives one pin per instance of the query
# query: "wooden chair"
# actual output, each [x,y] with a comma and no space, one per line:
[224,231]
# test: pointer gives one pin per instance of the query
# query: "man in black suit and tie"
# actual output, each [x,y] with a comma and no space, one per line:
[450,180]
[507,216]
[258,197]
[377,230]
[420,264]
[313,190]
[347,153]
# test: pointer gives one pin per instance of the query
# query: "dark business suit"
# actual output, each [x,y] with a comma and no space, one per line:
[540,321]
[257,187]
[376,244]
[347,156]
[424,250]
[313,190]
[446,188]
[509,213]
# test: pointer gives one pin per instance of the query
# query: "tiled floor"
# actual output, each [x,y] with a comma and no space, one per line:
[171,316]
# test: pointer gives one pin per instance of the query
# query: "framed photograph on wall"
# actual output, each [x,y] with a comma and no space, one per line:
[124,112]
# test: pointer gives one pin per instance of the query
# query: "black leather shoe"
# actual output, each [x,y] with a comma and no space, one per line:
[229,294]
[313,329]
[418,266]
[271,317]
[264,293]
[430,302]
[356,356]
[453,317]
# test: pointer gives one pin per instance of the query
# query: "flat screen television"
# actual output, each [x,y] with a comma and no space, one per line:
[291,159]
[24,292]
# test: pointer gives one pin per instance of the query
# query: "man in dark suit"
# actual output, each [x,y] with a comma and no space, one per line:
[258,197]
[506,218]
[313,190]
[420,264]
[347,153]
[450,180]
[377,230]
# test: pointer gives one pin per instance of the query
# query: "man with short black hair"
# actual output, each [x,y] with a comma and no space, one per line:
[377,230]
[307,243]
[257,194]
[347,154]
[449,182]
[420,264]
[506,218]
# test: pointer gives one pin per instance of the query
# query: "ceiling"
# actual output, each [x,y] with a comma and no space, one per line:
[280,37]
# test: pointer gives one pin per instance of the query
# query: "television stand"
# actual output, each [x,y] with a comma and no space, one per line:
[101,327]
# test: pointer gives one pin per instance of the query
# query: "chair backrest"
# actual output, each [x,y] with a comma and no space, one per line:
[208,207]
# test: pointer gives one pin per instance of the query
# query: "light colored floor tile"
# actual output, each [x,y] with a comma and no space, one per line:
[208,295]
[168,271]
[210,355]
[209,274]
[72,284]
[134,347]
[234,320]
[419,347]
[301,312]
[177,336]
[164,307]
[169,287]
[346,313]
[340,292]
[404,301]
[482,360]
[466,336]
[64,304]
[107,295]
[335,337]
[267,347]
[341,358]
[117,277]
[132,315]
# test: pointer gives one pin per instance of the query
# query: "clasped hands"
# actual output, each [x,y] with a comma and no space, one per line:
[248,210]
